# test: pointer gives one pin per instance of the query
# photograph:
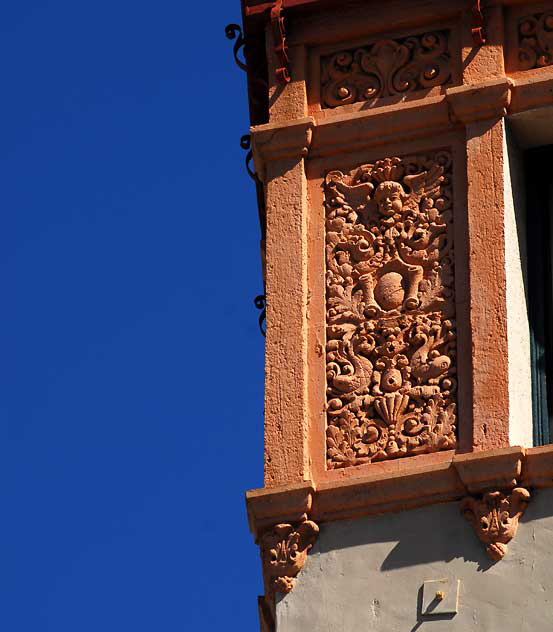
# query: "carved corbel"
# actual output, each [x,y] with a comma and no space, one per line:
[495,517]
[283,553]
[280,46]
[282,141]
[478,26]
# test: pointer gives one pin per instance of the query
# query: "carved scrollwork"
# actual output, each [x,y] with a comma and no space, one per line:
[386,68]
[495,518]
[535,39]
[284,550]
[391,337]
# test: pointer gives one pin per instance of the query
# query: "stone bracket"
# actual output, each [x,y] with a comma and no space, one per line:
[495,516]
[284,549]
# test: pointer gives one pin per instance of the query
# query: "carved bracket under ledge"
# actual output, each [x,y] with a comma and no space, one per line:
[495,518]
[284,550]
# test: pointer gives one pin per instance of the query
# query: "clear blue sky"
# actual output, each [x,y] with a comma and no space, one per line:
[131,385]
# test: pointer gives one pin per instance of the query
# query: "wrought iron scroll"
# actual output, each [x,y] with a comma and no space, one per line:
[234,32]
[261,303]
[246,144]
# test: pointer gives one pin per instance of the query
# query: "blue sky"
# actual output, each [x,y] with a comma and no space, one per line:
[132,372]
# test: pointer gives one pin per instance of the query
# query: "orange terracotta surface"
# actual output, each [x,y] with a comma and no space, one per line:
[350,110]
[306,138]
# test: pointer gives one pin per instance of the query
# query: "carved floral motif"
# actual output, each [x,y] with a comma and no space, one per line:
[495,518]
[535,39]
[283,552]
[390,312]
[386,68]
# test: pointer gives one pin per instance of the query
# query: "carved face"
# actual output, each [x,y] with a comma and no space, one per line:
[389,198]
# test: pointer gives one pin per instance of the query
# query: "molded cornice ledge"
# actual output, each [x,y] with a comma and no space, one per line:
[488,100]
[280,141]
[357,130]
[409,487]
[532,92]
[286,503]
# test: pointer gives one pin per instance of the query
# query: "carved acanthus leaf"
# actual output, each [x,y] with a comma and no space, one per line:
[284,550]
[535,40]
[386,68]
[390,310]
[495,518]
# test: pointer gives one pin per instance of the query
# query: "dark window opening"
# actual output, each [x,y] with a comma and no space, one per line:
[539,224]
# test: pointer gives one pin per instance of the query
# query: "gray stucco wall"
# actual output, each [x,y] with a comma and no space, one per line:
[367,574]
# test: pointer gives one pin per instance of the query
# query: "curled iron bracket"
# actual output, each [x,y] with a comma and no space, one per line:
[281,47]
[234,32]
[478,27]
[246,144]
[261,303]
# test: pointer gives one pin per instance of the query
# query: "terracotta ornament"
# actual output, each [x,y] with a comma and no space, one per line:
[386,68]
[390,310]
[535,40]
[495,518]
[478,27]
[283,553]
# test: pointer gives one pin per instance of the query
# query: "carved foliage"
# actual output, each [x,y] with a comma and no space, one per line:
[390,313]
[495,518]
[386,68]
[283,552]
[535,40]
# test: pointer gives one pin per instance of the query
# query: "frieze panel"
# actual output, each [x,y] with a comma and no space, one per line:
[535,41]
[391,335]
[387,68]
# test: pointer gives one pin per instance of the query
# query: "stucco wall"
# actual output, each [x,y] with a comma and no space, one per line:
[367,574]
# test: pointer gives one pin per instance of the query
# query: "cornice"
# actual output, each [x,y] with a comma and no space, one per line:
[409,487]
[353,131]
[275,142]
[487,100]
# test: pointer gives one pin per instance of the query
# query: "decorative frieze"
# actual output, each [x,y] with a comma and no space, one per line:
[495,518]
[390,310]
[387,68]
[535,40]
[284,550]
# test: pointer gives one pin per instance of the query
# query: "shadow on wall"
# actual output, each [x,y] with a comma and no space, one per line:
[429,534]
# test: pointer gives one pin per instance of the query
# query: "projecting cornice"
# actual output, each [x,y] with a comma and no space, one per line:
[402,485]
[490,100]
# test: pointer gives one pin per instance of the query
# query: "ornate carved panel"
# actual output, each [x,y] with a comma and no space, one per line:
[390,349]
[495,517]
[386,68]
[535,40]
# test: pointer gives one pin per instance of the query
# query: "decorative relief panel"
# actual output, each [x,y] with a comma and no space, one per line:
[386,68]
[495,518]
[535,41]
[390,310]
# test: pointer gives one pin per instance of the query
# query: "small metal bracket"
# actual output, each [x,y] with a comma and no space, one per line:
[261,303]
[440,597]
[281,47]
[246,144]
[234,31]
[478,27]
